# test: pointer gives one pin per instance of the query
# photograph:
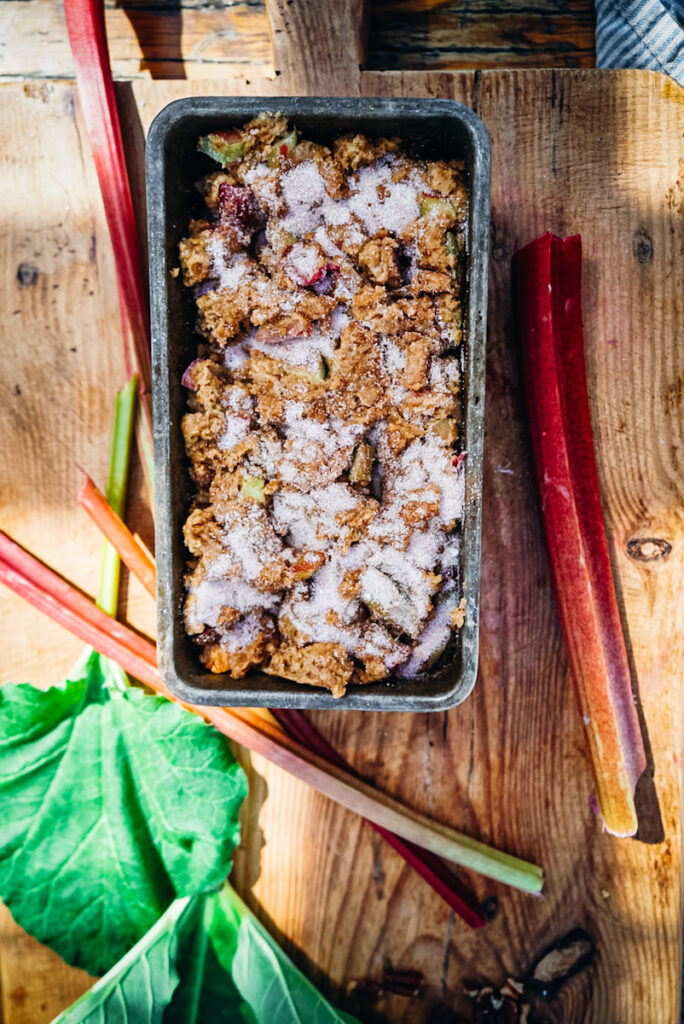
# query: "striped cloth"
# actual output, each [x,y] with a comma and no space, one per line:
[641,34]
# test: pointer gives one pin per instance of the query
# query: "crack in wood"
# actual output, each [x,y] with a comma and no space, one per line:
[557,100]
[447,950]
[471,768]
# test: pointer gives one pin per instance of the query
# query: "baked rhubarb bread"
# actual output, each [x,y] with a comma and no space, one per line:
[324,407]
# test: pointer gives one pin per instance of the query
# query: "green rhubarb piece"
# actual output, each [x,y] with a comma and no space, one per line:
[276,151]
[455,243]
[315,376]
[252,488]
[430,203]
[362,463]
[225,148]
[283,240]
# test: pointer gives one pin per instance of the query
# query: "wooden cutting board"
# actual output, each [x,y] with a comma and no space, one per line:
[595,152]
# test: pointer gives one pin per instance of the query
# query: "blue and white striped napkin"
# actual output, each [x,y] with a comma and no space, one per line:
[641,34]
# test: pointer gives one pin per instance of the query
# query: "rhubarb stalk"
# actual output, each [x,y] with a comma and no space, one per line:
[117,481]
[88,39]
[60,600]
[131,551]
[430,868]
[547,301]
[47,591]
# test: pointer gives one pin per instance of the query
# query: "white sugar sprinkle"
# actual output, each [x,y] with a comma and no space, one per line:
[231,272]
[237,418]
[309,614]
[395,211]
[259,171]
[309,519]
[326,243]
[308,203]
[396,590]
[234,356]
[304,191]
[242,634]
[431,641]
[393,357]
[212,596]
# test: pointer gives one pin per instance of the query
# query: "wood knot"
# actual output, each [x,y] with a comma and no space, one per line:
[648,549]
[642,246]
[27,274]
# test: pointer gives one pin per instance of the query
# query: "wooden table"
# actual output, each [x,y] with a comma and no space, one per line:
[595,152]
[230,38]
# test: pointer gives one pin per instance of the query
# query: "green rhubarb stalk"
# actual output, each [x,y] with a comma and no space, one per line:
[117,481]
[119,460]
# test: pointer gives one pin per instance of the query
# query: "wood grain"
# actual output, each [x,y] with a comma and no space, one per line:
[63,361]
[571,152]
[595,152]
[34,982]
[151,39]
[230,38]
[431,34]
[319,48]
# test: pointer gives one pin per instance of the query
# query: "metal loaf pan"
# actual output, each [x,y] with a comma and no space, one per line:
[445,129]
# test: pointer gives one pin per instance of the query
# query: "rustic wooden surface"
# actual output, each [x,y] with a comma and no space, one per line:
[595,152]
[433,34]
[230,38]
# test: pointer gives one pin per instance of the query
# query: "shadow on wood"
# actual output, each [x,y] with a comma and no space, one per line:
[159,29]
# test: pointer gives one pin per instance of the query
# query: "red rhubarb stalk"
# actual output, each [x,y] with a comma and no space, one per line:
[65,596]
[132,554]
[110,642]
[88,39]
[547,299]
[430,868]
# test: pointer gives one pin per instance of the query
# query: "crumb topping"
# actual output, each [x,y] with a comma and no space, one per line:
[323,416]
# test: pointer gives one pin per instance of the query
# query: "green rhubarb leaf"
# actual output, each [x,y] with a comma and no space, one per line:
[269,983]
[138,988]
[206,992]
[112,803]
[213,963]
